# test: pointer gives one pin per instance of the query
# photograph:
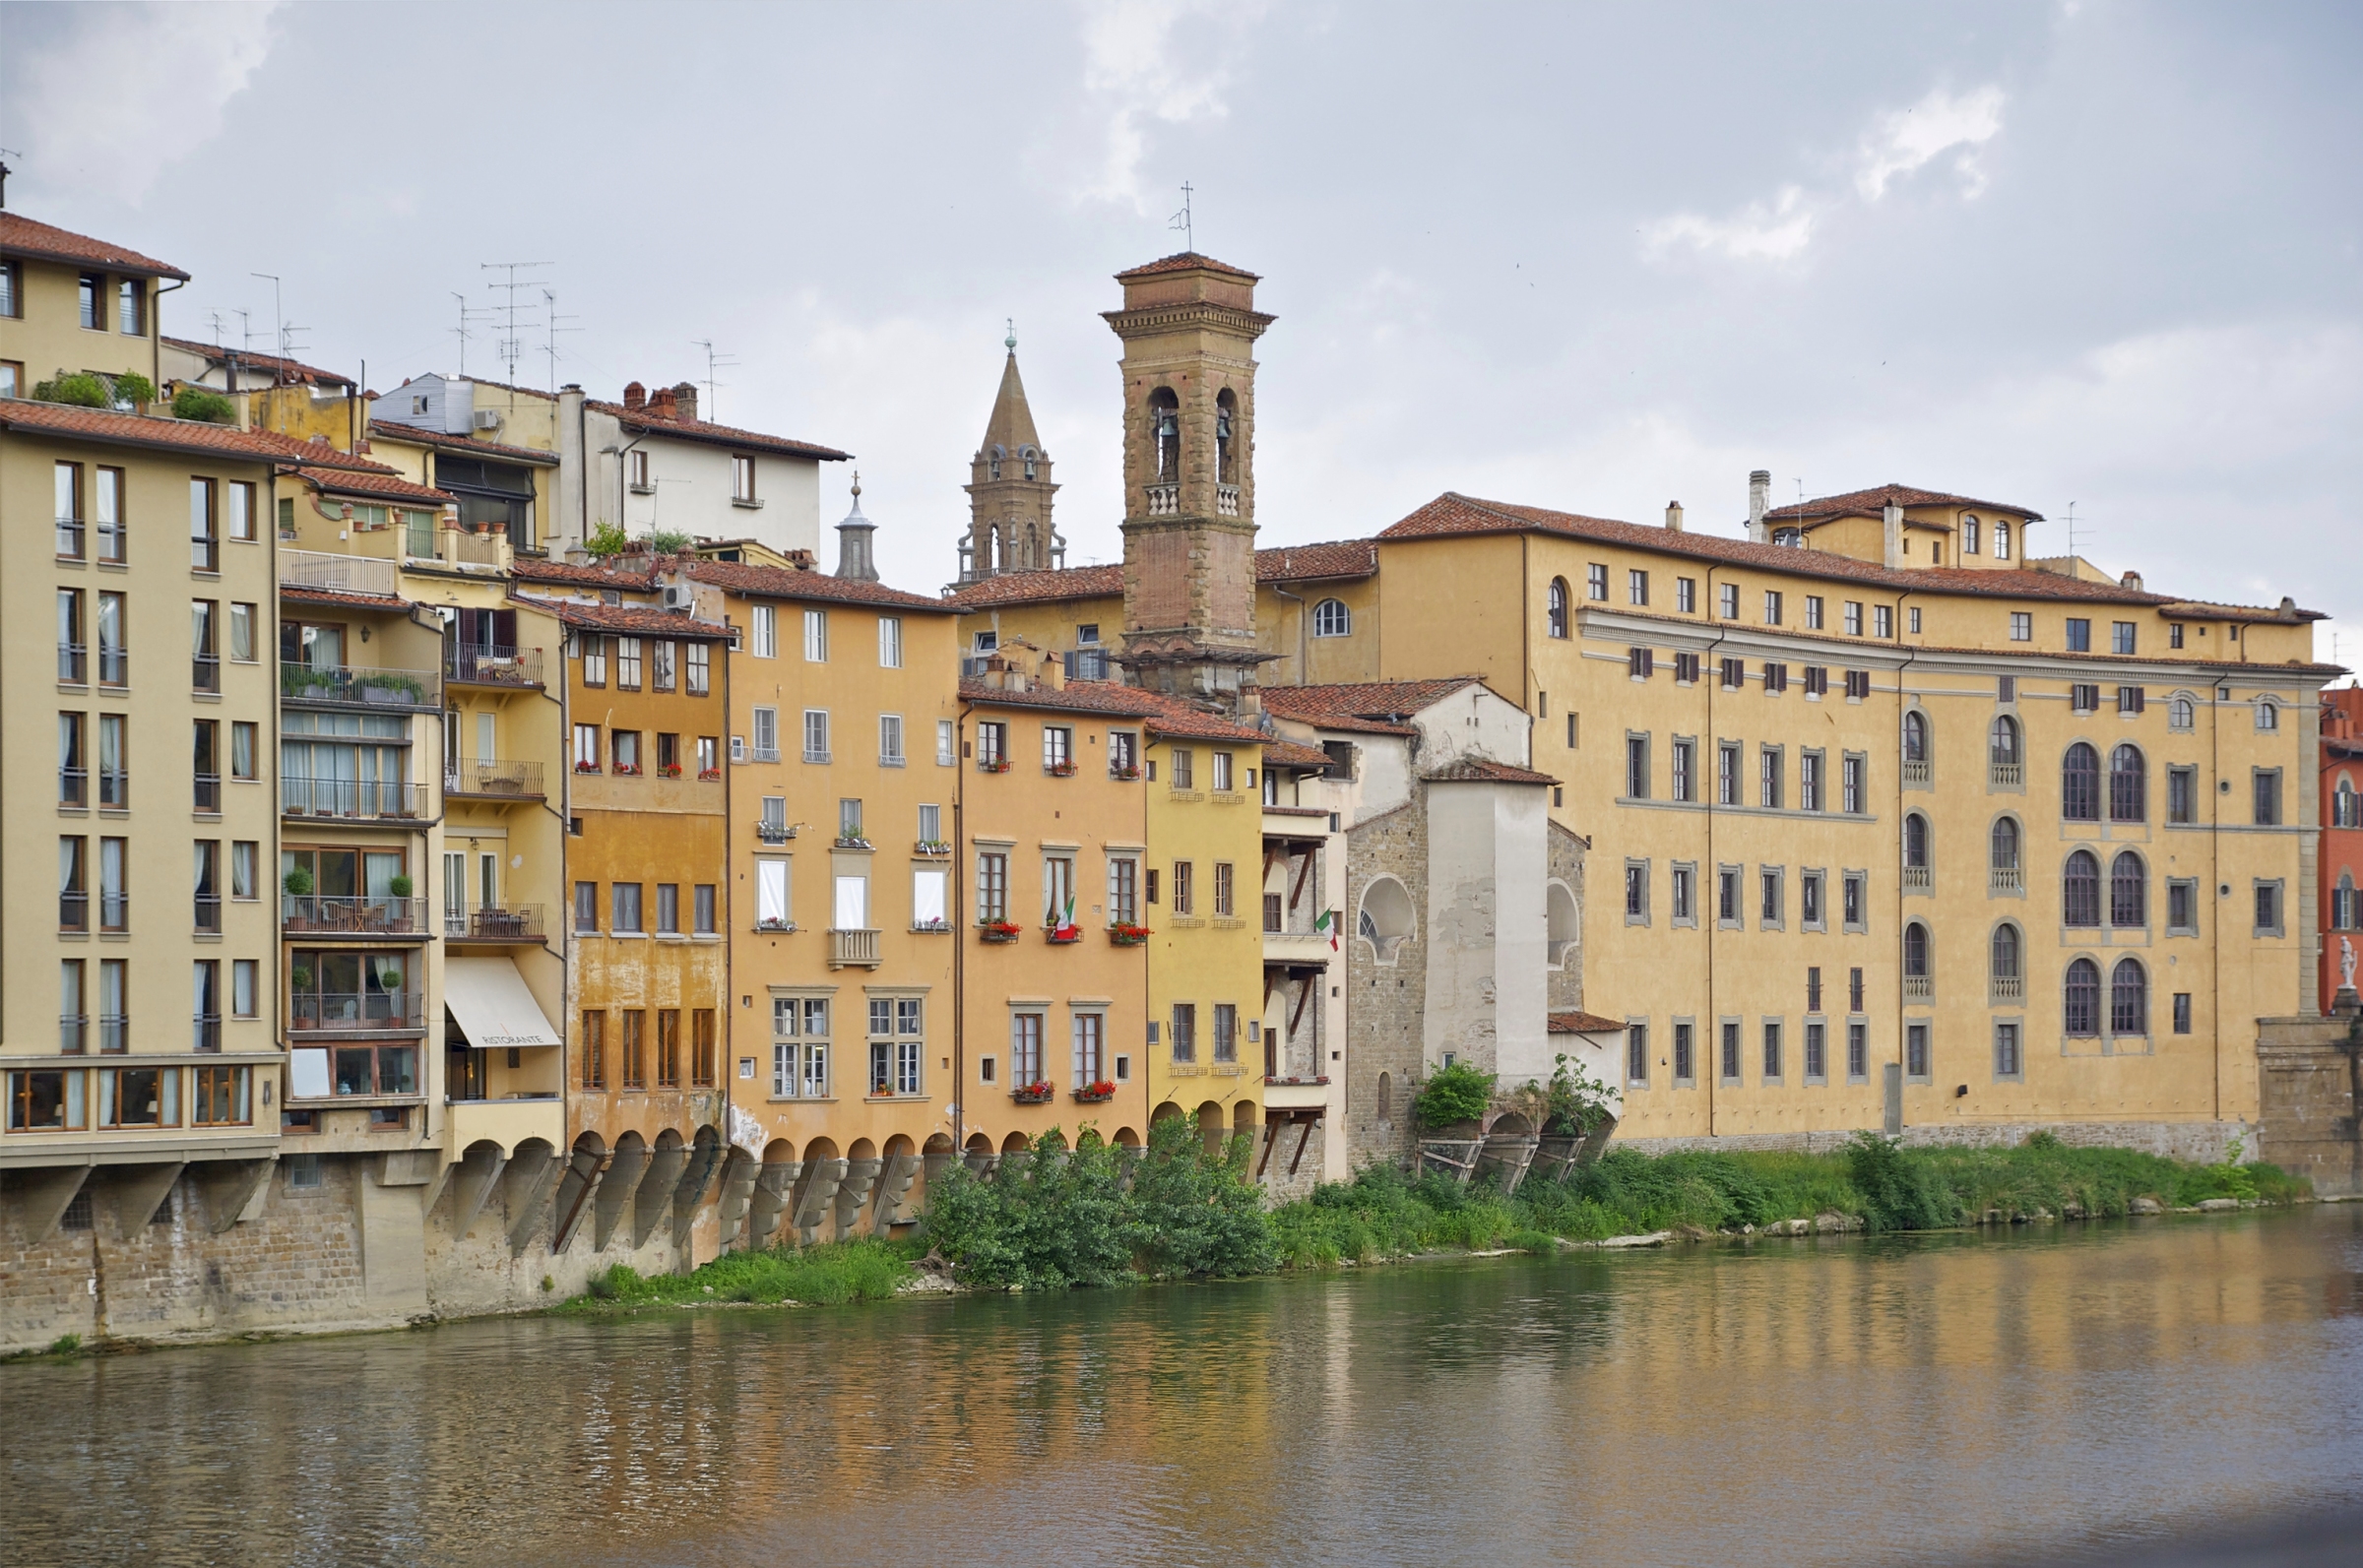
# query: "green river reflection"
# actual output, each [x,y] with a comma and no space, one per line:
[1789,1402]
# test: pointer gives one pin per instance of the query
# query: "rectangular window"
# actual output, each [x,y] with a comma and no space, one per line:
[763,631]
[1637,1053]
[2182,1011]
[993,886]
[1727,896]
[1883,620]
[890,642]
[1914,612]
[742,481]
[2007,1061]
[697,659]
[1808,903]
[1595,580]
[1636,587]
[1727,773]
[668,909]
[635,1048]
[1853,616]
[245,862]
[1685,757]
[1773,904]
[205,651]
[817,637]
[1776,678]
[1858,685]
[1186,1031]
[109,516]
[1731,1051]
[945,744]
[890,740]
[1686,595]
[1224,877]
[208,886]
[816,734]
[595,1048]
[2080,635]
[668,1047]
[2022,626]
[1123,881]
[1730,597]
[627,664]
[1853,796]
[703,1041]
[2182,796]
[1854,892]
[1184,758]
[586,748]
[1817,1054]
[1817,680]
[91,301]
[662,665]
[1812,612]
[1571,733]
[1182,887]
[1813,989]
[702,909]
[1809,780]
[1090,1049]
[1854,990]
[849,824]
[1858,1052]
[206,762]
[1226,1032]
[2121,636]
[114,647]
[1772,607]
[1684,894]
[1771,1052]
[68,511]
[73,766]
[586,909]
[772,894]
[242,643]
[2129,700]
[1637,893]
[1636,767]
[929,903]
[1769,770]
[595,660]
[624,906]
[1734,673]
[2268,909]
[2264,787]
[1915,1052]
[1684,1069]
[1686,668]
[130,292]
[623,752]
[1640,662]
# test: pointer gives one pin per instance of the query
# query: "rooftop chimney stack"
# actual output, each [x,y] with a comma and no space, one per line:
[635,396]
[2131,580]
[1760,501]
[1892,517]
[684,399]
[1674,517]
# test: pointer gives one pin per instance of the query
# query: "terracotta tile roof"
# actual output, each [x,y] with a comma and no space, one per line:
[2204,609]
[1484,770]
[1183,261]
[319,452]
[1874,501]
[104,424]
[1083,696]
[419,435]
[1288,754]
[631,620]
[292,371]
[1380,708]
[1282,563]
[23,236]
[569,574]
[713,434]
[299,594]
[1452,513]
[1585,1023]
[1185,720]
[388,485]
[776,582]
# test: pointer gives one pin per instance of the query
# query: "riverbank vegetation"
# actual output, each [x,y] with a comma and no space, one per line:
[1056,1218]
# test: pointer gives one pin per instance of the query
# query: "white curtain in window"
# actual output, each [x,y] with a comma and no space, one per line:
[771,892]
[852,903]
[927,897]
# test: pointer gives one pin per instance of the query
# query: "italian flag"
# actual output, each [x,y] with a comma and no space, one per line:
[1328,924]
[1067,921]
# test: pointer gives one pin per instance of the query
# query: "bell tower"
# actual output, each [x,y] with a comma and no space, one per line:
[1009,491]
[1190,327]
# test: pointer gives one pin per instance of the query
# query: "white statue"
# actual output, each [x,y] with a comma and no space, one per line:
[2346,964]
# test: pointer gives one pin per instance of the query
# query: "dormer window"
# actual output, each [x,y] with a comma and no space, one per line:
[1792,538]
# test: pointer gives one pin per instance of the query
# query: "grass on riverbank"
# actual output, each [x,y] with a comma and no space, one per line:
[866,1269]
[1384,1212]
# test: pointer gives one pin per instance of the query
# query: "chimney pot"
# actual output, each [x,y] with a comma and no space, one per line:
[635,396]
[1674,516]
[685,399]
[661,405]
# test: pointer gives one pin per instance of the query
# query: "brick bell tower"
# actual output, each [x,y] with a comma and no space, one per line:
[1189,326]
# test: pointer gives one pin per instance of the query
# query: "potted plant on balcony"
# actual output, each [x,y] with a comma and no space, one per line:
[627,770]
[1125,934]
[298,884]
[1060,770]
[855,841]
[669,769]
[708,775]
[999,930]
[1038,1092]
[1124,770]
[582,765]
[992,764]
[399,886]
[934,847]
[391,686]
[1095,1093]
[938,923]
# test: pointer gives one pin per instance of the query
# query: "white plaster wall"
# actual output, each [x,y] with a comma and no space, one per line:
[1382,778]
[692,480]
[1472,722]
[1463,901]
[1521,867]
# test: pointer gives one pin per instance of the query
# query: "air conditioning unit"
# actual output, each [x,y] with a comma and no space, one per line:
[487,418]
[678,596]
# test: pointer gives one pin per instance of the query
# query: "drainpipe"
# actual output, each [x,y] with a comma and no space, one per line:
[1712,927]
[954,903]
[1900,924]
[1303,677]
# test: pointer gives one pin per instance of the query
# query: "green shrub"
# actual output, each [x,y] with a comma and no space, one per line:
[65,1345]
[607,539]
[195,403]
[75,388]
[666,542]
[1455,1094]
[1898,1191]
[863,1270]
[132,387]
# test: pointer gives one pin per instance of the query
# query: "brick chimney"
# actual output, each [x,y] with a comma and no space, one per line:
[661,403]
[684,399]
[635,396]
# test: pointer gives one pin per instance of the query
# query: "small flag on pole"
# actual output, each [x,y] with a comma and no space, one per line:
[1067,931]
[1327,924]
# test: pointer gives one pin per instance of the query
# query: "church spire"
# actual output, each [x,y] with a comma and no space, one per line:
[1010,488]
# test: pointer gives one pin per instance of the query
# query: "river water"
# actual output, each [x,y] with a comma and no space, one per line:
[1799,1401]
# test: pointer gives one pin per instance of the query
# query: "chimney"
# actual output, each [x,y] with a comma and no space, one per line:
[1760,500]
[1053,672]
[1674,517]
[660,403]
[1892,517]
[684,399]
[854,558]
[2131,580]
[635,397]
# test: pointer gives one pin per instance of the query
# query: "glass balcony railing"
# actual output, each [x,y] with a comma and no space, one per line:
[352,685]
[352,1012]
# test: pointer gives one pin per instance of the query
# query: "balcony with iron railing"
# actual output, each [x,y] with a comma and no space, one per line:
[491,779]
[508,922]
[359,686]
[114,1034]
[322,914]
[114,665]
[69,539]
[349,799]
[73,664]
[483,665]
[73,910]
[114,912]
[853,949]
[354,1012]
[343,574]
[114,788]
[73,1033]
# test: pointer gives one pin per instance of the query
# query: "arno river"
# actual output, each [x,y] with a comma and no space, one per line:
[1790,1402]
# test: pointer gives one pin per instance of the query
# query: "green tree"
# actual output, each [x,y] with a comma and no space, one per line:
[1455,1094]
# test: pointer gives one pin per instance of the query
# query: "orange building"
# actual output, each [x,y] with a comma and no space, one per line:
[2341,856]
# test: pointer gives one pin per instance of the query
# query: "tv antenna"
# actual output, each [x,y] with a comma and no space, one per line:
[549,307]
[714,361]
[467,315]
[511,346]
[2071,537]
[284,332]
[214,319]
[1184,221]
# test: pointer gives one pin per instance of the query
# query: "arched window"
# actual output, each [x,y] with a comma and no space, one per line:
[2181,714]
[1972,533]
[1557,614]
[2079,890]
[1331,618]
[1386,919]
[2080,783]
[2079,998]
[1225,407]
[1386,1097]
[1915,736]
[2269,714]
[1165,430]
[2128,998]
[993,462]
[2005,956]
[2003,741]
[1915,952]
[2002,541]
[2129,778]
[1029,454]
[2129,891]
[2003,848]
[2346,905]
[1915,842]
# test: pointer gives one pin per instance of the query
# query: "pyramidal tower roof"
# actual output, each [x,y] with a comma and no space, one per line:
[1012,423]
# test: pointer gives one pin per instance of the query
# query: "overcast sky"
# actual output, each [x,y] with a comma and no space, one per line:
[1594,258]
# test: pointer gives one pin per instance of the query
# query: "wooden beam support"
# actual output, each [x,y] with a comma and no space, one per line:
[1303,872]
[1303,1139]
[1303,995]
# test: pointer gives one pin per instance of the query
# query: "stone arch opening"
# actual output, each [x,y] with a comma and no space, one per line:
[1562,927]
[1386,920]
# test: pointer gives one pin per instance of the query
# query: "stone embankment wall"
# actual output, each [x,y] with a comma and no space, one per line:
[2310,1089]
[2201,1142]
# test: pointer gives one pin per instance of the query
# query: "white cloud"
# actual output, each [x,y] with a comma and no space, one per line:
[1760,231]
[169,70]
[1148,63]
[1903,140]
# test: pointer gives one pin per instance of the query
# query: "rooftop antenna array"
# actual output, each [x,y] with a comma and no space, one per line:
[214,319]
[284,331]
[2072,535]
[1184,221]
[468,315]
[550,319]
[511,347]
[714,361]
